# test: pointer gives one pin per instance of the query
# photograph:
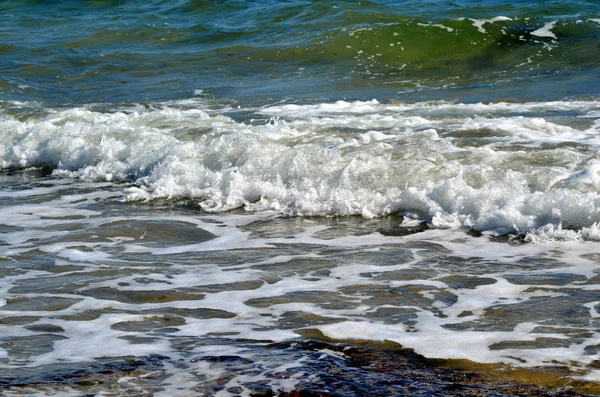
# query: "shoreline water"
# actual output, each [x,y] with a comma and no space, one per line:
[342,369]
[229,199]
[176,224]
[208,313]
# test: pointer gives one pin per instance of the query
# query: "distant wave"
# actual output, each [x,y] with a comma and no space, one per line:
[156,50]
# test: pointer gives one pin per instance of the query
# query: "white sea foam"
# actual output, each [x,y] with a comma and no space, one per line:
[478,23]
[504,167]
[545,31]
[437,25]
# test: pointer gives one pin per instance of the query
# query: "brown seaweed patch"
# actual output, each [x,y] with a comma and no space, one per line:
[300,319]
[46,328]
[88,315]
[458,377]
[18,320]
[540,343]
[330,300]
[404,274]
[301,266]
[139,340]
[545,279]
[141,296]
[236,286]
[154,323]
[197,313]
[45,303]
[458,281]
[157,233]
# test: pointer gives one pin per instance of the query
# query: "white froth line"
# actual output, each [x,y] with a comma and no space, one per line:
[482,297]
[437,25]
[342,108]
[278,259]
[240,241]
[218,244]
[594,375]
[97,344]
[29,192]
[434,341]
[592,307]
[38,210]
[545,31]
[82,256]
[478,23]
[353,270]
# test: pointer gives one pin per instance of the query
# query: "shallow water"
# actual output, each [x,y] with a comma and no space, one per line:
[88,278]
[192,192]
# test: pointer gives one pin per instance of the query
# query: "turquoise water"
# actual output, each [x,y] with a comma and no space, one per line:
[194,193]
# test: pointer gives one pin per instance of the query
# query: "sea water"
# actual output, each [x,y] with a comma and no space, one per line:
[200,187]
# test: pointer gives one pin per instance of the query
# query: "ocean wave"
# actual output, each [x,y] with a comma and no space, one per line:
[452,165]
[247,47]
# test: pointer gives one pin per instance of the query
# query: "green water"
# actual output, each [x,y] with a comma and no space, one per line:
[139,51]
